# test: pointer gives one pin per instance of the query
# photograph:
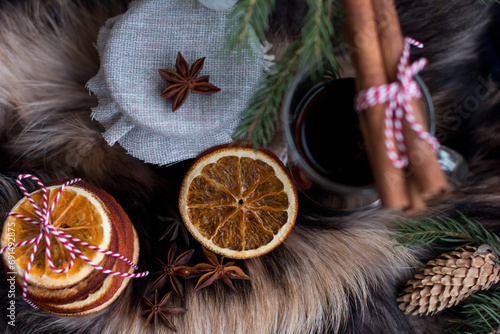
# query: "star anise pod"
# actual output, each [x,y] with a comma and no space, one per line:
[175,228]
[174,268]
[185,80]
[215,270]
[159,311]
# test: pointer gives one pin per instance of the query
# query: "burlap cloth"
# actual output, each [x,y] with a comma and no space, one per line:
[134,45]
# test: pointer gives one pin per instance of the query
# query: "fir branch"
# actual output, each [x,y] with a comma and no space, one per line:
[312,49]
[481,315]
[318,33]
[483,2]
[261,118]
[249,20]
[449,233]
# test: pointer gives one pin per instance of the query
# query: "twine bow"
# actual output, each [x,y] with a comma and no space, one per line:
[399,95]
[46,229]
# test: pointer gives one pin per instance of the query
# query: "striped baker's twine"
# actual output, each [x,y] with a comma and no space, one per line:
[399,95]
[46,229]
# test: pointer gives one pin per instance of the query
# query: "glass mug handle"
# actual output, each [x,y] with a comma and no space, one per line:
[453,165]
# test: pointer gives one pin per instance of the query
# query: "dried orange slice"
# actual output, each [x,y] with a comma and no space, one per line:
[238,202]
[79,213]
[91,215]
[112,286]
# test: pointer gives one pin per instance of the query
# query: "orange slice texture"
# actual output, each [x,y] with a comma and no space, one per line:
[79,213]
[238,202]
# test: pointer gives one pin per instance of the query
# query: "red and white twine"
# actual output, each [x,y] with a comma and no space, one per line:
[399,95]
[46,229]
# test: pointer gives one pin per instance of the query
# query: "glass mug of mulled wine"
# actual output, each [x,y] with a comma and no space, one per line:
[325,151]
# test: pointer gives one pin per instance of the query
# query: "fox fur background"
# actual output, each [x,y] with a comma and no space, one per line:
[331,275]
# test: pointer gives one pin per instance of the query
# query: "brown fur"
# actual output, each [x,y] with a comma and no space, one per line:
[331,275]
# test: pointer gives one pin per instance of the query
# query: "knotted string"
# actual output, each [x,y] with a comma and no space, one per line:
[399,95]
[46,229]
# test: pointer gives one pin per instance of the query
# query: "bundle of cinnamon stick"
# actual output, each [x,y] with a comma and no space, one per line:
[373,32]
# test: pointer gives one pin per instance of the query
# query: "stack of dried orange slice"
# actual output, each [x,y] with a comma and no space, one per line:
[238,202]
[87,213]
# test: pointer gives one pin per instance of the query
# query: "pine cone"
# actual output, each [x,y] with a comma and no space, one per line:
[449,279]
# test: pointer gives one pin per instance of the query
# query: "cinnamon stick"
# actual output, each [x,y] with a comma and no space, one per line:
[426,175]
[360,31]
[391,42]
[417,203]
[429,177]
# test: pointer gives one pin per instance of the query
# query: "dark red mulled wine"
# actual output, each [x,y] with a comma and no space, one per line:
[329,136]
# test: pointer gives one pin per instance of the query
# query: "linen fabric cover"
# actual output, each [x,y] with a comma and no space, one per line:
[147,37]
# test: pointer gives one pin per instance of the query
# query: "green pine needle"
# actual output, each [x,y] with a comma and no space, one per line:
[311,50]
[249,21]
[261,118]
[446,233]
[481,315]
